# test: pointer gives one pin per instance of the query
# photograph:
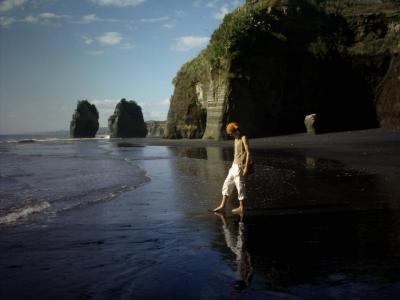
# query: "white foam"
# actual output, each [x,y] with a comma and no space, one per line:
[24,212]
[52,139]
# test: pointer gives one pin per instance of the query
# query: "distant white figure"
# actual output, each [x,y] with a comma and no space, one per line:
[309,122]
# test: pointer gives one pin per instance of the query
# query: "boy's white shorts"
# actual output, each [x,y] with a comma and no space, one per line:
[235,178]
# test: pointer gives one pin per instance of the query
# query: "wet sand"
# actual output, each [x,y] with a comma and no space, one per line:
[359,149]
[322,223]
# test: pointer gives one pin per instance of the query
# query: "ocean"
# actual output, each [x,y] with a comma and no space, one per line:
[117,219]
[42,176]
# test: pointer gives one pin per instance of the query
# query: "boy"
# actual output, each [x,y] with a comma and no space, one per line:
[238,170]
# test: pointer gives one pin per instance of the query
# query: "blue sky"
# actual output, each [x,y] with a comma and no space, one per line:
[55,52]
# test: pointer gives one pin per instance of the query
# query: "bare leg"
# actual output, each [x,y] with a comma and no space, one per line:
[222,205]
[240,209]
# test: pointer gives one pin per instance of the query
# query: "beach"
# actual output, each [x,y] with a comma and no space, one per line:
[130,219]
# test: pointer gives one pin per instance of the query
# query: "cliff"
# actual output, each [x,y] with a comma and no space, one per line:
[85,120]
[156,128]
[272,62]
[127,120]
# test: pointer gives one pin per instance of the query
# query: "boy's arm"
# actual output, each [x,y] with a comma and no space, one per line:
[247,149]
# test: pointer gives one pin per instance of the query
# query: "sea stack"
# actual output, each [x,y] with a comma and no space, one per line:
[127,121]
[85,120]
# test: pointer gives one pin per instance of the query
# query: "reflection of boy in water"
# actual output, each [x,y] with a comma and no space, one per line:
[237,244]
[239,169]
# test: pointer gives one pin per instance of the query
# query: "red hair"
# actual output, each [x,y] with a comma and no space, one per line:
[232,127]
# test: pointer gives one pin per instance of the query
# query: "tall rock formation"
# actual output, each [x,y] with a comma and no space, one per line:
[156,128]
[127,120]
[272,62]
[85,120]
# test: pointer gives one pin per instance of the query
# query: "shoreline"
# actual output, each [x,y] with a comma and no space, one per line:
[366,150]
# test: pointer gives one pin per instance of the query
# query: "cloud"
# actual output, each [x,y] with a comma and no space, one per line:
[48,16]
[118,3]
[106,104]
[44,18]
[180,13]
[220,14]
[128,22]
[128,46]
[154,20]
[105,108]
[169,25]
[186,43]
[8,5]
[6,21]
[110,38]
[212,3]
[166,101]
[155,110]
[89,18]
[87,40]
[30,19]
[219,8]
[152,110]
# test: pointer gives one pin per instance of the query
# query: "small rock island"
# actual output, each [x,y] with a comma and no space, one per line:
[127,121]
[85,120]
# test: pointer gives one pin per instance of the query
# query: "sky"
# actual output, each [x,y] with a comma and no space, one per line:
[56,52]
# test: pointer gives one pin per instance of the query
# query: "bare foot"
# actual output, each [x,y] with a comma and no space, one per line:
[237,210]
[219,208]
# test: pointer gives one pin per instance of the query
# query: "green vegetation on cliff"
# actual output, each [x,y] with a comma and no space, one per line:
[188,119]
[279,60]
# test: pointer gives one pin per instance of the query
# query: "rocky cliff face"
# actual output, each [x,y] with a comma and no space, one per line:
[187,113]
[85,120]
[156,128]
[272,62]
[127,120]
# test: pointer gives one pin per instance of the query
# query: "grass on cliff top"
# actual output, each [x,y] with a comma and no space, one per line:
[254,20]
[192,72]
[235,27]
[244,23]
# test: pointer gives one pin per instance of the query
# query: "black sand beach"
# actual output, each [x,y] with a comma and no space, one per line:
[322,222]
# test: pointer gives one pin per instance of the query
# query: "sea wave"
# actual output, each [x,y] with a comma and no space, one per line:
[65,175]
[67,203]
[50,139]
[94,197]
[24,212]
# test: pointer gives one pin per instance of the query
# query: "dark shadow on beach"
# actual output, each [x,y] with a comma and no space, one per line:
[311,223]
[317,255]
[287,183]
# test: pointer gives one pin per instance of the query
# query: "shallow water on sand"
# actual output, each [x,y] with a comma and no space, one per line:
[314,229]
